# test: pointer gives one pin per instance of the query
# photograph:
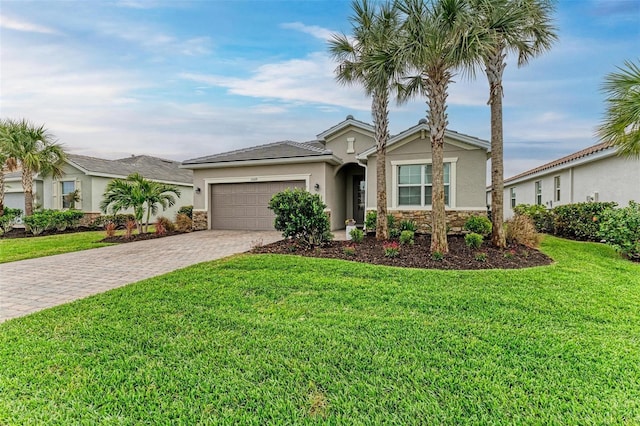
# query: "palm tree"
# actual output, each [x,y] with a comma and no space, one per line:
[139,194]
[366,59]
[35,150]
[440,39]
[621,126]
[524,28]
[7,163]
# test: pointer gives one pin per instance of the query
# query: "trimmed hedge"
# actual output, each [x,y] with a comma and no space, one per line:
[620,228]
[47,220]
[580,221]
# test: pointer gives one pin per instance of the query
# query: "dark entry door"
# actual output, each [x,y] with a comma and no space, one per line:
[358,198]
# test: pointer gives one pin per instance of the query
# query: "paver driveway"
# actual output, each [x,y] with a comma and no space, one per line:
[30,285]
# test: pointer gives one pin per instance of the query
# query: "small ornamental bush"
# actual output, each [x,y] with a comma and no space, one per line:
[521,230]
[67,219]
[437,256]
[186,210]
[391,249]
[481,257]
[479,225]
[300,215]
[580,221]
[408,225]
[394,233]
[184,223]
[41,221]
[128,228]
[541,217]
[160,228]
[370,221]
[407,238]
[166,223]
[110,229]
[620,228]
[8,219]
[357,235]
[473,240]
[120,220]
[349,250]
[511,254]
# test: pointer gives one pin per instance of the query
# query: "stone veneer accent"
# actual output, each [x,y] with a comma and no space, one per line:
[200,222]
[455,218]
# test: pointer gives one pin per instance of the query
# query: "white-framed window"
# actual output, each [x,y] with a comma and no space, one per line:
[67,187]
[538,186]
[413,183]
[512,194]
[556,188]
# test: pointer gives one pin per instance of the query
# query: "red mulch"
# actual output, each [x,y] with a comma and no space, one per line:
[460,257]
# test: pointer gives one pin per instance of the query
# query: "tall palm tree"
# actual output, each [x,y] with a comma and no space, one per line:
[35,150]
[140,194]
[7,162]
[621,125]
[524,28]
[366,59]
[440,39]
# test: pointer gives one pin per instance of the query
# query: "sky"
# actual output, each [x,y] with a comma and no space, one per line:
[185,79]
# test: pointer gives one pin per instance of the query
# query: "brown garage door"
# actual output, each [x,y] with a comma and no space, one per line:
[244,205]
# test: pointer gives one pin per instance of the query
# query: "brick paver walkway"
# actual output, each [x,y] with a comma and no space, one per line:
[31,285]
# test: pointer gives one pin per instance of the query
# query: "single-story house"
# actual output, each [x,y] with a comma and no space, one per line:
[595,173]
[232,189]
[90,176]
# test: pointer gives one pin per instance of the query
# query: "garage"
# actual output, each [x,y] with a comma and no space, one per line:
[245,205]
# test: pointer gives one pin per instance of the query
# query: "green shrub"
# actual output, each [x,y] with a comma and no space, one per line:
[541,217]
[349,250]
[394,233]
[120,220]
[620,228]
[437,256]
[188,210]
[8,219]
[357,235]
[473,240]
[41,221]
[300,215]
[481,257]
[580,221]
[479,225]
[391,249]
[408,225]
[391,222]
[370,221]
[67,219]
[406,237]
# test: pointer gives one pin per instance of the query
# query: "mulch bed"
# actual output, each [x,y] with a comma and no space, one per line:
[460,257]
[119,239]
[22,233]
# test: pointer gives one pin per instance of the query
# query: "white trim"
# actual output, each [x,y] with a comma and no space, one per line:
[394,179]
[428,209]
[346,123]
[270,161]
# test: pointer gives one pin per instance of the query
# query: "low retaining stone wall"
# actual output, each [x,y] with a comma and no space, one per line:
[455,218]
[200,220]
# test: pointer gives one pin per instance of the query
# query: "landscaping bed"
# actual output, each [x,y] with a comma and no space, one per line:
[419,254]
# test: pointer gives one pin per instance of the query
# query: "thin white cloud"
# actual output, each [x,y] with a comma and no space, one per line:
[313,30]
[24,26]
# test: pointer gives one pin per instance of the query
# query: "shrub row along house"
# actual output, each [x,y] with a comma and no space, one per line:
[84,180]
[233,189]
[595,173]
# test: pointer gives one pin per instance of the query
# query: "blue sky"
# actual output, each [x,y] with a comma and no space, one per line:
[182,79]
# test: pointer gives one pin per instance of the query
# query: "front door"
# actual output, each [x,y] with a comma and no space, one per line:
[358,198]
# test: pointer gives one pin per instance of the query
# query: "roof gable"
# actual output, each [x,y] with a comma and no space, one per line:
[349,122]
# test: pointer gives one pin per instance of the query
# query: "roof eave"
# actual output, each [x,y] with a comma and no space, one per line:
[328,158]
[344,124]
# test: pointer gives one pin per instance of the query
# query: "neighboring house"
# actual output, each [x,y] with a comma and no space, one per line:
[90,176]
[14,194]
[596,173]
[234,188]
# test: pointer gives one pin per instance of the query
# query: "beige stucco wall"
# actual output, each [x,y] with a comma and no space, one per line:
[470,171]
[338,144]
[613,178]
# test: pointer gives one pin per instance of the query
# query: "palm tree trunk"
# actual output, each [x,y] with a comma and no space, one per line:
[146,225]
[495,66]
[436,84]
[380,109]
[2,191]
[27,186]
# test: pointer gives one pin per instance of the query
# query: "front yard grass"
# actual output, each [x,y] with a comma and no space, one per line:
[13,249]
[268,339]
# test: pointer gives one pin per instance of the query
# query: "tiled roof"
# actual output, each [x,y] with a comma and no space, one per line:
[150,167]
[571,157]
[276,150]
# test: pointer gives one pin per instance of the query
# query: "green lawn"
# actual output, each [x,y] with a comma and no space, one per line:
[12,249]
[288,340]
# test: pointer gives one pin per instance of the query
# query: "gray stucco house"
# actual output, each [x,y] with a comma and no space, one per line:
[595,173]
[90,176]
[232,189]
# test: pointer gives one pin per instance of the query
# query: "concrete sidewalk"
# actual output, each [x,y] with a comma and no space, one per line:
[31,285]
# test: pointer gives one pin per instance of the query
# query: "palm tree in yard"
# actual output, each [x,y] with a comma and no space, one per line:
[140,194]
[522,27]
[34,150]
[7,163]
[440,38]
[365,58]
[621,126]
